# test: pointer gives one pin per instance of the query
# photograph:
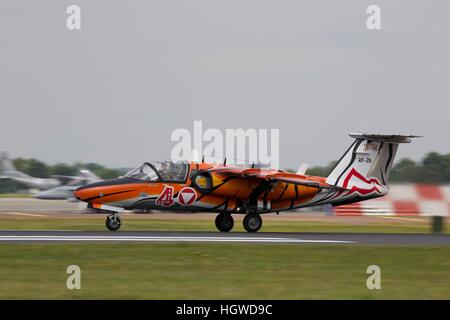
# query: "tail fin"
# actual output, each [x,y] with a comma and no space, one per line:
[366,165]
[6,165]
[89,176]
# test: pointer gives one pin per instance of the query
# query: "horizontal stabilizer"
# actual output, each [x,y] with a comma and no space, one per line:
[384,137]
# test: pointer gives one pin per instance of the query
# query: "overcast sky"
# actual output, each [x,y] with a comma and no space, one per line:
[114,91]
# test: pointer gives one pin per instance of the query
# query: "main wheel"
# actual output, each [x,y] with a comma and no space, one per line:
[252,222]
[113,222]
[224,222]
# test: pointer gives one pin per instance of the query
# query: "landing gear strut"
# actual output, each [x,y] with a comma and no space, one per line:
[252,222]
[113,222]
[224,222]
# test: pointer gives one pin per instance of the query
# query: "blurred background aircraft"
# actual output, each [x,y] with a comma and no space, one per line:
[8,171]
[65,192]
[58,187]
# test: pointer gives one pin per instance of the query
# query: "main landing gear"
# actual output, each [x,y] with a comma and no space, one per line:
[224,222]
[113,222]
[252,222]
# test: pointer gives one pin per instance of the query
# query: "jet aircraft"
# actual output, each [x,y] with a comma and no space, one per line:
[8,171]
[361,173]
[66,192]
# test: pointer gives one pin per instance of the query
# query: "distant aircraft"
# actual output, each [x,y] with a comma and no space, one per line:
[362,173]
[66,192]
[8,171]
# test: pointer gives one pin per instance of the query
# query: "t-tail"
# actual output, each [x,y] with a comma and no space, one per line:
[363,171]
[6,166]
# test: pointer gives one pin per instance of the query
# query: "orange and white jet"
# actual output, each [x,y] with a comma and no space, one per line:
[362,173]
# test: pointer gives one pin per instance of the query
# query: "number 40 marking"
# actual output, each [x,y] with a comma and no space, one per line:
[165,199]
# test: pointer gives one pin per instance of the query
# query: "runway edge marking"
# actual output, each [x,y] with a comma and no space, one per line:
[162,239]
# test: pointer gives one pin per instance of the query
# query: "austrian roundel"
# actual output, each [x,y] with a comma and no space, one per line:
[187,196]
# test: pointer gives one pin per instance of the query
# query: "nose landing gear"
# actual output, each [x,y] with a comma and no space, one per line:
[113,222]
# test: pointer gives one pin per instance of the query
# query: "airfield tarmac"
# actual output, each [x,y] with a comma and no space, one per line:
[240,237]
[29,209]
[38,205]
[296,255]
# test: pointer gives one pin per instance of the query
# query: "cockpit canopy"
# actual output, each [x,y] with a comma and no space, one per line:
[160,170]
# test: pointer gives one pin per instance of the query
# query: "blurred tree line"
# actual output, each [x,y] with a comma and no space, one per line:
[433,168]
[39,169]
[36,168]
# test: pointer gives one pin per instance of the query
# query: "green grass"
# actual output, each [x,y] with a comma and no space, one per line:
[222,271]
[218,270]
[195,223]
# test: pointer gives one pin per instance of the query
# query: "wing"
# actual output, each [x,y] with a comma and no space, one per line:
[66,179]
[274,176]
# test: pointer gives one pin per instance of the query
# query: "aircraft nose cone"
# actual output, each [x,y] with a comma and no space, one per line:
[40,195]
[81,193]
[99,189]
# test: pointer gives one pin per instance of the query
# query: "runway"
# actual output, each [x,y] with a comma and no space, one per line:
[233,237]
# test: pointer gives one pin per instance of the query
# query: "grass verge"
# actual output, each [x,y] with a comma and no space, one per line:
[96,222]
[222,271]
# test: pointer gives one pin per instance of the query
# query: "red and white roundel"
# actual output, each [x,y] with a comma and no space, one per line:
[187,196]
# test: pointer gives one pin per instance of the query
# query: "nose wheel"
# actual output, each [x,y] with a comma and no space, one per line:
[224,222]
[252,222]
[113,222]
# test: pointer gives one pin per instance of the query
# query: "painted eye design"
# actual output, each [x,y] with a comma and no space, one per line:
[202,182]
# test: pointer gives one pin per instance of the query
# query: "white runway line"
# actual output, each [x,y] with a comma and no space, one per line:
[163,239]
[23,214]
[40,230]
